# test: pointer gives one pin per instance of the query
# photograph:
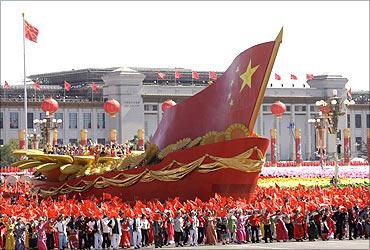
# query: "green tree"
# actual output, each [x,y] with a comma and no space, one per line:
[6,155]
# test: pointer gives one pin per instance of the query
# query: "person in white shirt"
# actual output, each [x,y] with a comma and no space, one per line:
[61,227]
[115,224]
[179,229]
[98,234]
[136,232]
[90,233]
[106,232]
[144,231]
[193,229]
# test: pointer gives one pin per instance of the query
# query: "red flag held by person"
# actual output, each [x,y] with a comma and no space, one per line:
[177,75]
[94,87]
[30,32]
[212,75]
[293,77]
[67,86]
[195,75]
[309,77]
[6,85]
[107,196]
[161,75]
[37,86]
[277,77]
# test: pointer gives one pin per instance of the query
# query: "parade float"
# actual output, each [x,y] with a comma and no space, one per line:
[202,146]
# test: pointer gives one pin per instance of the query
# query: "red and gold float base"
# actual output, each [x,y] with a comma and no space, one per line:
[228,168]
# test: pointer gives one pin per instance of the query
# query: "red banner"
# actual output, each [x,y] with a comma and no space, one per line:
[298,151]
[273,133]
[22,139]
[347,152]
[235,97]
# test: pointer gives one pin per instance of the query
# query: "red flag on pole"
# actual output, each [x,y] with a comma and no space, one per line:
[37,86]
[161,75]
[67,86]
[30,32]
[309,77]
[212,75]
[195,75]
[277,77]
[293,77]
[177,75]
[94,87]
[6,85]
[349,94]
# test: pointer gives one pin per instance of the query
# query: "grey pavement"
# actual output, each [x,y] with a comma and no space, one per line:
[331,244]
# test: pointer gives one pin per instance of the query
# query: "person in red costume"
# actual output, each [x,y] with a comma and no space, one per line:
[125,238]
[298,220]
[281,230]
[255,223]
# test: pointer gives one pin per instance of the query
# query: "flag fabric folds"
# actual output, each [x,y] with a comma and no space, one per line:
[309,77]
[161,75]
[235,97]
[67,86]
[94,87]
[177,75]
[277,77]
[37,86]
[195,75]
[30,32]
[349,94]
[6,85]
[293,77]
[212,75]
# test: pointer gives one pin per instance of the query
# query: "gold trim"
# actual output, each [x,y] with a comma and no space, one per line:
[261,95]
[234,127]
[209,138]
[240,162]
[194,142]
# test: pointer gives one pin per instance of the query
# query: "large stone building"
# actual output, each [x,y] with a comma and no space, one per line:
[141,94]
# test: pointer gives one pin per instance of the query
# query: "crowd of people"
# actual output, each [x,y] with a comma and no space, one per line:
[97,150]
[273,214]
[184,228]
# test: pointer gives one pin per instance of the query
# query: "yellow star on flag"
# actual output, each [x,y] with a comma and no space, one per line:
[247,75]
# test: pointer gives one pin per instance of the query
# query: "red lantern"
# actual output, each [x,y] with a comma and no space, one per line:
[49,105]
[278,108]
[112,107]
[168,104]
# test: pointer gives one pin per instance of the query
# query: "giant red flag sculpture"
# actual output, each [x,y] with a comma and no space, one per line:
[203,145]
[235,97]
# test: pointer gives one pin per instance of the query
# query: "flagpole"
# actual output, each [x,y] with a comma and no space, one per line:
[24,82]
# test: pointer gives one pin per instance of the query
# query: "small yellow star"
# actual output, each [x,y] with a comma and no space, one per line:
[247,75]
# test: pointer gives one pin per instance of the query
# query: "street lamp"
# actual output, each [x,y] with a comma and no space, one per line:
[333,109]
[319,123]
[47,125]
[34,136]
